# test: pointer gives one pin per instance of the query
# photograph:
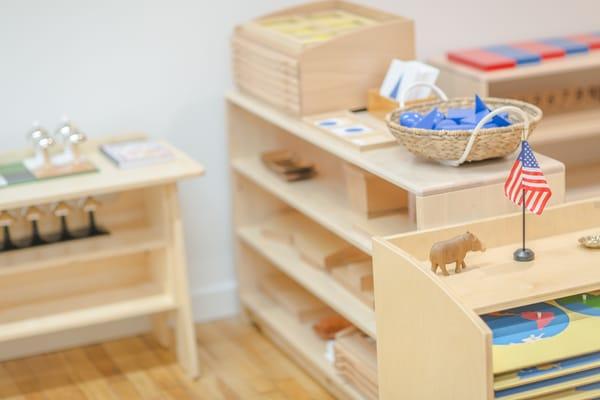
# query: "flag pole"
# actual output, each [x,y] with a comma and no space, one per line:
[523,254]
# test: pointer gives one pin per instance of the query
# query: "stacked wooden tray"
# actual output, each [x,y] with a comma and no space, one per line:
[320,56]
[356,360]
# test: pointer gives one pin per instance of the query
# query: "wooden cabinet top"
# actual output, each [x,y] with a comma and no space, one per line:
[108,178]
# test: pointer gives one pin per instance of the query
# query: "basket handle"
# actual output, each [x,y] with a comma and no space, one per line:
[440,93]
[485,120]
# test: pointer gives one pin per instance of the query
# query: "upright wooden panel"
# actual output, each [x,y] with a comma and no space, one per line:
[428,345]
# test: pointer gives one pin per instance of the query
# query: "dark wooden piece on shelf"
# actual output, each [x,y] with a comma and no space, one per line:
[288,165]
[6,220]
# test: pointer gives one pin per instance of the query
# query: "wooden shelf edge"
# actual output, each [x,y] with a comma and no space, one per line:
[112,245]
[301,345]
[319,283]
[110,306]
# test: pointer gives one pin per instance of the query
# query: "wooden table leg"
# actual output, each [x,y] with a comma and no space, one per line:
[185,337]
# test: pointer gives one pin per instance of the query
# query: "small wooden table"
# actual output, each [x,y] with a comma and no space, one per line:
[138,269]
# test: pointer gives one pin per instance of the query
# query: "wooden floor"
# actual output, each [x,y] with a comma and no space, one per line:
[237,363]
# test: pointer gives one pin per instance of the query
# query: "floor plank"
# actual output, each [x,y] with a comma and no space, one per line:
[237,362]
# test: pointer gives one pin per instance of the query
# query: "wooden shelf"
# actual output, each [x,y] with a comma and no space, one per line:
[318,282]
[325,205]
[454,336]
[74,312]
[299,341]
[108,179]
[495,282]
[583,182]
[394,164]
[118,243]
[568,126]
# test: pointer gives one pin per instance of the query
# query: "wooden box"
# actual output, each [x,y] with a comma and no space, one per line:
[433,327]
[320,56]
[372,196]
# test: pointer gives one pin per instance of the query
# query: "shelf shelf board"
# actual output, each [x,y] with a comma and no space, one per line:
[318,282]
[117,243]
[299,341]
[583,182]
[79,311]
[108,179]
[324,205]
[561,268]
[394,164]
[567,126]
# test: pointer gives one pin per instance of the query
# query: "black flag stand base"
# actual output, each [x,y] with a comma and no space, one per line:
[523,254]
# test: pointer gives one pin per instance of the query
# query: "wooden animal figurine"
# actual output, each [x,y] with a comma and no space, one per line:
[453,251]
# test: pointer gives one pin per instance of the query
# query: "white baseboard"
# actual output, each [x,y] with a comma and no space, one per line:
[213,302]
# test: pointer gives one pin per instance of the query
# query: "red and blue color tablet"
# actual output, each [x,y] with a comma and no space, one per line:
[525,53]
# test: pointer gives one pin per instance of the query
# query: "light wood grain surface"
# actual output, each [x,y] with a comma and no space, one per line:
[394,164]
[239,363]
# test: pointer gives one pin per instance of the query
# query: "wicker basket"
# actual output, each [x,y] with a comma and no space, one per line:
[450,146]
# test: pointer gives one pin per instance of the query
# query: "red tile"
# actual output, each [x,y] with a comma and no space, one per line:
[481,59]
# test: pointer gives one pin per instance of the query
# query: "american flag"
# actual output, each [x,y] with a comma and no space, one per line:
[526,178]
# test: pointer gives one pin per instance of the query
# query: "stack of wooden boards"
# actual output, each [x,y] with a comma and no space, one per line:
[321,249]
[547,350]
[305,59]
[356,360]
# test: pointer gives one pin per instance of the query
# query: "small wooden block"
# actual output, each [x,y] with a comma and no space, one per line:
[327,327]
[294,298]
[358,279]
[370,195]
[323,249]
[288,165]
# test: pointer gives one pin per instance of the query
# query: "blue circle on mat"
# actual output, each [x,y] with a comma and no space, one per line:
[329,122]
[358,129]
[526,324]
[576,303]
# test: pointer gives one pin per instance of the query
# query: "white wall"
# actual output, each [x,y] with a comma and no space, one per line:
[162,67]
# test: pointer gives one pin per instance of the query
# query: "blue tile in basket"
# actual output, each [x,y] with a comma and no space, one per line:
[428,120]
[410,119]
[445,124]
[457,114]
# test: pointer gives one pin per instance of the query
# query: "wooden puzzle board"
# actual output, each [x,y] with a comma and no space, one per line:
[315,27]
[17,172]
[360,130]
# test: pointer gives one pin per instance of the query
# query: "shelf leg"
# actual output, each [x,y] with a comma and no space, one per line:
[185,335]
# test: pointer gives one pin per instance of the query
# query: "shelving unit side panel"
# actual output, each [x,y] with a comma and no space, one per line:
[429,346]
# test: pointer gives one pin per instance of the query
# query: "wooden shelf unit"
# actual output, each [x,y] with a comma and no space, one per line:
[570,129]
[453,337]
[437,195]
[138,269]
